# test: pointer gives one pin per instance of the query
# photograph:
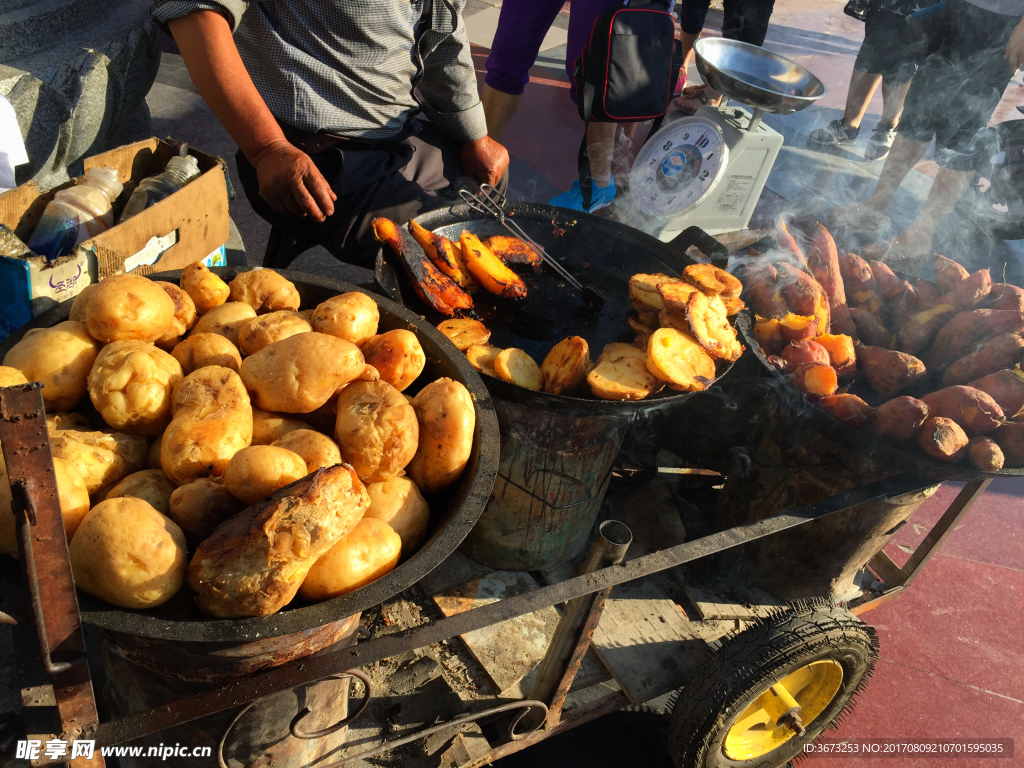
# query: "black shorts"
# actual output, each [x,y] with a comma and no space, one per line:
[959,84]
[886,48]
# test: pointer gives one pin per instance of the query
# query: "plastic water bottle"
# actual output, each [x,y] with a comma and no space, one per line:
[179,172]
[77,213]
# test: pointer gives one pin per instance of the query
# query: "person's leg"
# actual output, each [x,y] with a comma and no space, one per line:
[884,134]
[916,240]
[601,147]
[862,89]
[903,156]
[747,20]
[522,25]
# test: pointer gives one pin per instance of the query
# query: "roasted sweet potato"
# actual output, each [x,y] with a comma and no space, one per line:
[861,290]
[841,353]
[887,281]
[712,281]
[823,262]
[971,408]
[768,333]
[967,330]
[1006,296]
[434,288]
[948,273]
[943,438]
[995,354]
[887,371]
[441,251]
[985,454]
[784,237]
[1010,438]
[927,293]
[816,379]
[917,333]
[798,327]
[760,279]
[1006,387]
[512,250]
[493,275]
[971,292]
[804,295]
[849,409]
[899,418]
[870,329]
[805,352]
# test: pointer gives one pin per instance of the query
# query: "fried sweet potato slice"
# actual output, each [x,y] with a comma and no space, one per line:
[625,378]
[566,365]
[434,288]
[512,250]
[679,360]
[464,332]
[440,250]
[712,281]
[482,357]
[493,275]
[516,367]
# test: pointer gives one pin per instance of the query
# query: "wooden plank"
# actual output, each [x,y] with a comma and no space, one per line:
[727,602]
[454,570]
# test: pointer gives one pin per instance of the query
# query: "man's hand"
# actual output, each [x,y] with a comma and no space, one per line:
[1015,48]
[291,183]
[484,160]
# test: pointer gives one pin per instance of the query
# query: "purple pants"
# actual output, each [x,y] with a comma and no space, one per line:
[521,29]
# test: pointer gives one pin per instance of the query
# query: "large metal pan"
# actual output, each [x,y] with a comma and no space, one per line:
[453,512]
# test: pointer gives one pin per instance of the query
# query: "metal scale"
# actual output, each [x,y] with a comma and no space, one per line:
[709,169]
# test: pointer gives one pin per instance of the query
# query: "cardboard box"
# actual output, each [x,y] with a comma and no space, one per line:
[190,225]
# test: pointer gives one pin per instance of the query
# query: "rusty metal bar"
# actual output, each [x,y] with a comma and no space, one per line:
[43,548]
[575,629]
[308,670]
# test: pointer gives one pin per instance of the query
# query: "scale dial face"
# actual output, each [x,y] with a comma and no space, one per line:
[679,166]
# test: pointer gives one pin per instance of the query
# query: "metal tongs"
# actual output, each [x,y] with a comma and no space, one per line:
[491,202]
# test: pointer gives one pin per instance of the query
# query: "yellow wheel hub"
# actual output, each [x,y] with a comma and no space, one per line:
[783,710]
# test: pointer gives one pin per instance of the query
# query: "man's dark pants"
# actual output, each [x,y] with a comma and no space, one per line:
[399,182]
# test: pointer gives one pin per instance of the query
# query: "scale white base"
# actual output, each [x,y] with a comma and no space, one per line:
[730,205]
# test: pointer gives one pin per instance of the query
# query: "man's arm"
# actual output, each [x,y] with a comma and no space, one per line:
[289,181]
[451,102]
[1015,48]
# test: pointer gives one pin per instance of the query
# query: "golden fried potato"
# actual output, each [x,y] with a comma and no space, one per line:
[10,376]
[127,553]
[447,419]
[397,356]
[399,503]
[301,373]
[206,289]
[257,471]
[515,366]
[101,458]
[482,357]
[202,349]
[212,421]
[367,552]
[351,316]
[643,292]
[184,316]
[317,450]
[150,485]
[679,360]
[624,378]
[617,350]
[324,417]
[566,365]
[127,307]
[268,427]
[265,291]
[60,357]
[641,328]
[200,506]
[153,454]
[376,430]
[67,420]
[225,320]
[130,384]
[78,305]
[256,333]
[465,332]
[713,281]
[254,562]
[74,503]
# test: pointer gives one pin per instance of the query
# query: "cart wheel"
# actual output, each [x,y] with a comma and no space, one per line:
[774,687]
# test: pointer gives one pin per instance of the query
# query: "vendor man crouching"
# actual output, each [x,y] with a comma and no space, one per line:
[320,96]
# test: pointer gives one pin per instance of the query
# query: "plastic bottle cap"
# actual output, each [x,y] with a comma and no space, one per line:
[106,179]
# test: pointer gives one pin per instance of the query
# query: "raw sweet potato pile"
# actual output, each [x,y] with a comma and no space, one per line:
[940,360]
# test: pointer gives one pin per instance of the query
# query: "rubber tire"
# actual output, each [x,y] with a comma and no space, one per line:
[763,654]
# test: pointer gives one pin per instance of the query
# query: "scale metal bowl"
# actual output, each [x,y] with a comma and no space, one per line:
[764,81]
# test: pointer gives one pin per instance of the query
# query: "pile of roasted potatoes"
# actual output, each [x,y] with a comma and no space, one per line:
[220,434]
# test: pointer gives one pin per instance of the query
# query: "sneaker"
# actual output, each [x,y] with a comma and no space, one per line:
[880,142]
[601,197]
[834,134]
